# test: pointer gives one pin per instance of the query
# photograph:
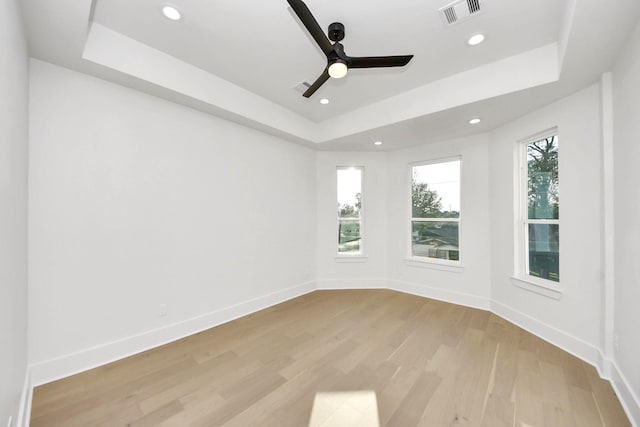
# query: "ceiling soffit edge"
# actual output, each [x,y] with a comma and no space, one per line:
[125,55]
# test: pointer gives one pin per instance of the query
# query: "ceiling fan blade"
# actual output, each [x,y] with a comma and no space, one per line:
[303,12]
[316,85]
[378,61]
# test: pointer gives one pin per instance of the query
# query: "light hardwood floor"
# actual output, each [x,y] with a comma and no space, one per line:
[429,363]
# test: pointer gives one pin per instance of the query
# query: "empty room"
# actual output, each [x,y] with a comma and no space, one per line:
[319,213]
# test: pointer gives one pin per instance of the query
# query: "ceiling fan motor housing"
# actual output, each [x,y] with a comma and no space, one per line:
[336,32]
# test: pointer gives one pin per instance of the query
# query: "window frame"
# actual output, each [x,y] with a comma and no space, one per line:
[425,260]
[521,264]
[360,255]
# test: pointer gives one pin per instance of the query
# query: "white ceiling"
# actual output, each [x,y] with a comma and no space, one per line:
[265,49]
[240,60]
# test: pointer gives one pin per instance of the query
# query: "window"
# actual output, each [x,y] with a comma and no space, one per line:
[349,210]
[435,210]
[540,208]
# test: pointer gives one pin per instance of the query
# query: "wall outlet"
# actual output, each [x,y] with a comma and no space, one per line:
[163,310]
[616,342]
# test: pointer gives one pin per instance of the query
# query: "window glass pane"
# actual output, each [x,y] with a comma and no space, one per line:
[435,190]
[435,240]
[349,192]
[542,178]
[348,236]
[544,254]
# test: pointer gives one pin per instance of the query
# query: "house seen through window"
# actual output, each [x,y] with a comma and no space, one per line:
[435,210]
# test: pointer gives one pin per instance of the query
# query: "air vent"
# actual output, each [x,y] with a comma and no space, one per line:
[459,10]
[302,87]
[450,15]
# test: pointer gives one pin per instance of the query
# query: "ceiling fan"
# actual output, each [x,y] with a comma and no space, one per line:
[337,61]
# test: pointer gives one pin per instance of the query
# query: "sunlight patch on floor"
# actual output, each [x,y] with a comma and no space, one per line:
[345,408]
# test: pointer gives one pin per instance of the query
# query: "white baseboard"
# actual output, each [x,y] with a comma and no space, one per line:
[69,364]
[589,353]
[628,398]
[24,411]
[422,290]
[329,284]
[574,345]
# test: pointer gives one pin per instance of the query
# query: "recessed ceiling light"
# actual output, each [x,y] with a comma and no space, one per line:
[171,13]
[324,101]
[476,39]
[377,143]
[474,121]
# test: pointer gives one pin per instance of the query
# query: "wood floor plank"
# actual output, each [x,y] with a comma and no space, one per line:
[528,400]
[392,396]
[605,398]
[430,363]
[415,402]
[282,396]
[196,408]
[584,407]
[175,386]
[156,417]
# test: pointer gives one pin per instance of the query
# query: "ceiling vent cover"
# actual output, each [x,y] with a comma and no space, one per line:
[459,10]
[302,87]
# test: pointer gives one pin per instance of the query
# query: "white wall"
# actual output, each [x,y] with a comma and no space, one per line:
[368,271]
[574,321]
[469,285]
[626,105]
[137,202]
[13,208]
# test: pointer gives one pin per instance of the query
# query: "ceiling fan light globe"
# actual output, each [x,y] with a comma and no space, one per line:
[338,70]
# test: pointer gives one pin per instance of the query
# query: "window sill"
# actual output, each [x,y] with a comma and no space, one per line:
[432,265]
[538,287]
[351,258]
